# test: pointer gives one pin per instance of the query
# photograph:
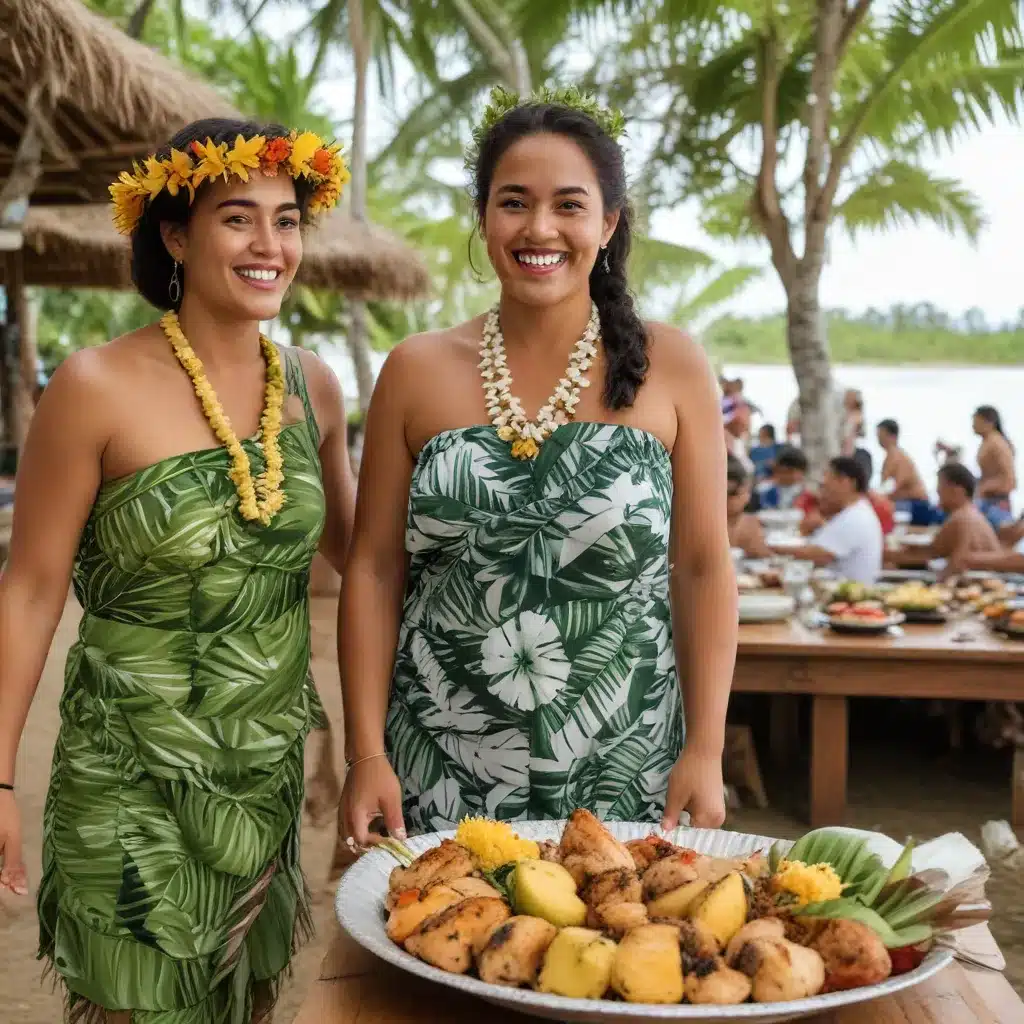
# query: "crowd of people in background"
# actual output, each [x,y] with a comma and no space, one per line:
[844,521]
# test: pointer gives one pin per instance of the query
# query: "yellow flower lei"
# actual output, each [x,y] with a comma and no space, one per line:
[260,499]
[301,155]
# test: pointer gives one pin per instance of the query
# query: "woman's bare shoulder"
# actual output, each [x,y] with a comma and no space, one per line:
[674,354]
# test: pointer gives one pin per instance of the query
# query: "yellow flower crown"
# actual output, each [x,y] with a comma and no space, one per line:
[303,155]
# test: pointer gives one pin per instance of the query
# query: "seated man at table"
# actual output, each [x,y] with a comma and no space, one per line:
[965,531]
[849,541]
[1006,559]
[745,530]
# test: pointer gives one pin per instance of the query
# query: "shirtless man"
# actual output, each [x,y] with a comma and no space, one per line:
[906,489]
[745,530]
[996,462]
[966,531]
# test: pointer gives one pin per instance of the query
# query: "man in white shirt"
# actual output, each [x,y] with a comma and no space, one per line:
[850,541]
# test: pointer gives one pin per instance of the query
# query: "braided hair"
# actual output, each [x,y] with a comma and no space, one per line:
[623,334]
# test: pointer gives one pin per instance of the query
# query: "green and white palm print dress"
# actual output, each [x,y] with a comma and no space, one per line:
[535,671]
[171,882]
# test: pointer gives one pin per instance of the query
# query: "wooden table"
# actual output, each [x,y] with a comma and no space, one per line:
[787,658]
[357,988]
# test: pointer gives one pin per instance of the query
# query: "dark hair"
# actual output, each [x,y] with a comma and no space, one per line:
[152,264]
[957,474]
[990,414]
[891,426]
[735,471]
[623,334]
[851,468]
[790,457]
[768,429]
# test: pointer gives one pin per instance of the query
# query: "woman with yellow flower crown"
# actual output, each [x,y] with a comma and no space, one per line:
[183,476]
[553,566]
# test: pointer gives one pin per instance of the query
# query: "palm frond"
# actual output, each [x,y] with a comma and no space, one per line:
[722,288]
[900,193]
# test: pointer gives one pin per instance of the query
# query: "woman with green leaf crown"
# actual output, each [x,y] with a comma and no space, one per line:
[523,583]
[182,477]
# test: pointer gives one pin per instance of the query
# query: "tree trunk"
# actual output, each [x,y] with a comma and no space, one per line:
[25,392]
[505,52]
[358,334]
[809,353]
[137,22]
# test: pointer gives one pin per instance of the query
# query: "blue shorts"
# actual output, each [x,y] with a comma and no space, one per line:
[922,513]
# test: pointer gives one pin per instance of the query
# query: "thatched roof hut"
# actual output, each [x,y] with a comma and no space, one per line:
[77,246]
[110,99]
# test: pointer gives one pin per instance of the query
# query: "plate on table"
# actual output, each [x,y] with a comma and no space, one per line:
[924,616]
[360,909]
[854,625]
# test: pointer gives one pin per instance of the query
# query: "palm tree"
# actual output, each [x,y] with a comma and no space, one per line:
[787,119]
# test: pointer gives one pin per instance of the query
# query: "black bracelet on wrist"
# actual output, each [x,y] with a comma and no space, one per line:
[4,785]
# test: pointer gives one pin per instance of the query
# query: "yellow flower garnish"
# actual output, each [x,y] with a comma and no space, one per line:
[302,156]
[809,883]
[493,843]
[260,499]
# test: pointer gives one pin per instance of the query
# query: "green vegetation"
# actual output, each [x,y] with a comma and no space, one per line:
[873,339]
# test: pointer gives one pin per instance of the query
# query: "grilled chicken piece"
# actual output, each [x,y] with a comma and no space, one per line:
[588,848]
[515,951]
[669,873]
[696,942]
[473,886]
[854,955]
[711,982]
[760,928]
[620,885]
[414,906]
[646,851]
[442,863]
[450,939]
[615,919]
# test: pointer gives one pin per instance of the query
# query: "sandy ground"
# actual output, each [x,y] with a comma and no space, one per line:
[890,791]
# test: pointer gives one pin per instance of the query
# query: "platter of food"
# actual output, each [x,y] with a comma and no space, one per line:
[919,603]
[869,617]
[581,920]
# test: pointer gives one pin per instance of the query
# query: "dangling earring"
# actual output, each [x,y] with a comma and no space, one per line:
[605,265]
[174,287]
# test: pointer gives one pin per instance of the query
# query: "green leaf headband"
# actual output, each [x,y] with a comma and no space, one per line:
[503,100]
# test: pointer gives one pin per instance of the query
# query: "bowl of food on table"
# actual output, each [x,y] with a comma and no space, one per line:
[589,921]
[920,602]
[765,607]
[1006,617]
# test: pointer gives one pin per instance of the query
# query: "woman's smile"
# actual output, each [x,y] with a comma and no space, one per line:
[260,276]
[540,262]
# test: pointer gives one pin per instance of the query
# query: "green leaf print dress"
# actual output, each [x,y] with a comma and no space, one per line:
[171,882]
[535,670]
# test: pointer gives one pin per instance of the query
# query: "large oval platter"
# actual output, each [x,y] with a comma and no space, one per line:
[360,909]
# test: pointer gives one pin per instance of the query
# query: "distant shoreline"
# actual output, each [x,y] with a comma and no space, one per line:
[863,342]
